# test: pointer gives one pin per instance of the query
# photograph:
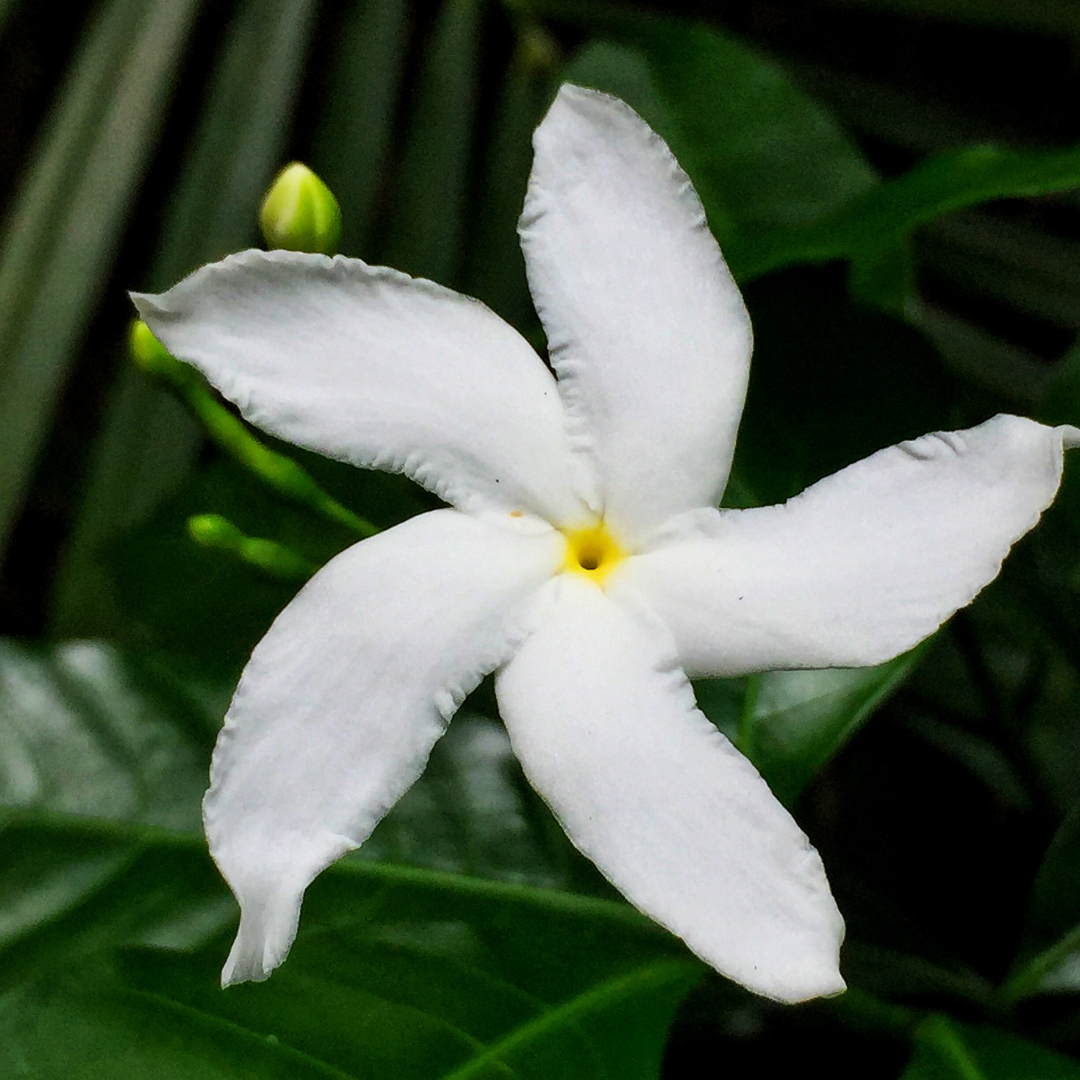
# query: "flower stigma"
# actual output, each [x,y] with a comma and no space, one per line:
[592,552]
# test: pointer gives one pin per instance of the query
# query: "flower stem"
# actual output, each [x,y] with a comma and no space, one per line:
[233,436]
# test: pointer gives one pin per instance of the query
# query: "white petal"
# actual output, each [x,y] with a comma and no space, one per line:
[647,331]
[859,567]
[343,699]
[605,726]
[368,365]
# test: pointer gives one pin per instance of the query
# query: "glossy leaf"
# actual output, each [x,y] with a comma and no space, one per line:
[790,723]
[800,719]
[764,156]
[85,730]
[872,229]
[945,1049]
[414,971]
[396,972]
[91,736]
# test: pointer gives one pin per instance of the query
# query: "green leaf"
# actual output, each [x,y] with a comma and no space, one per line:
[396,971]
[790,723]
[200,603]
[872,229]
[1049,16]
[1049,959]
[428,223]
[86,730]
[945,1049]
[147,442]
[495,269]
[769,157]
[764,156]
[89,734]
[7,9]
[816,402]
[354,132]
[800,719]
[68,218]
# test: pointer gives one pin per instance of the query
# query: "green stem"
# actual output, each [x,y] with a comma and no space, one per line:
[233,436]
[278,471]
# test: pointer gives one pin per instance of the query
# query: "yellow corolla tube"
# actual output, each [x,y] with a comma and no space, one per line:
[592,552]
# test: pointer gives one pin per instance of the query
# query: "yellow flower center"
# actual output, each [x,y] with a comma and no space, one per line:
[592,552]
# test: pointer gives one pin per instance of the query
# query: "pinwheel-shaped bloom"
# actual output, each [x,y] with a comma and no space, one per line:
[583,560]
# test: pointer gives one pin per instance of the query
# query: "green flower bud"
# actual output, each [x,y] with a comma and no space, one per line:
[300,212]
[153,357]
[214,531]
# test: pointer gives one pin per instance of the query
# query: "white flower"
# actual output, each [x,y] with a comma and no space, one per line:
[584,561]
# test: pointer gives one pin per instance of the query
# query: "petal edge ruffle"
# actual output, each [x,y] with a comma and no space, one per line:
[344,697]
[605,726]
[862,565]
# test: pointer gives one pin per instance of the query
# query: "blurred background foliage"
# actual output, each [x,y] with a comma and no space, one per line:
[895,185]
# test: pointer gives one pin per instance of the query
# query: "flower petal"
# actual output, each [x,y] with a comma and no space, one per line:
[862,565]
[343,699]
[647,331]
[605,726]
[368,365]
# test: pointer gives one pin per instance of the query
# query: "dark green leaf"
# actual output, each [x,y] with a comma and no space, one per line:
[415,972]
[428,217]
[1050,951]
[764,157]
[86,730]
[147,442]
[800,719]
[67,221]
[790,723]
[353,136]
[495,270]
[204,604]
[831,383]
[945,1049]
[7,9]
[769,157]
[872,229]
[88,734]
[1051,16]
[396,972]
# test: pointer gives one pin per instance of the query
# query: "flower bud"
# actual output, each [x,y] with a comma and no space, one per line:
[300,212]
[214,531]
[153,357]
